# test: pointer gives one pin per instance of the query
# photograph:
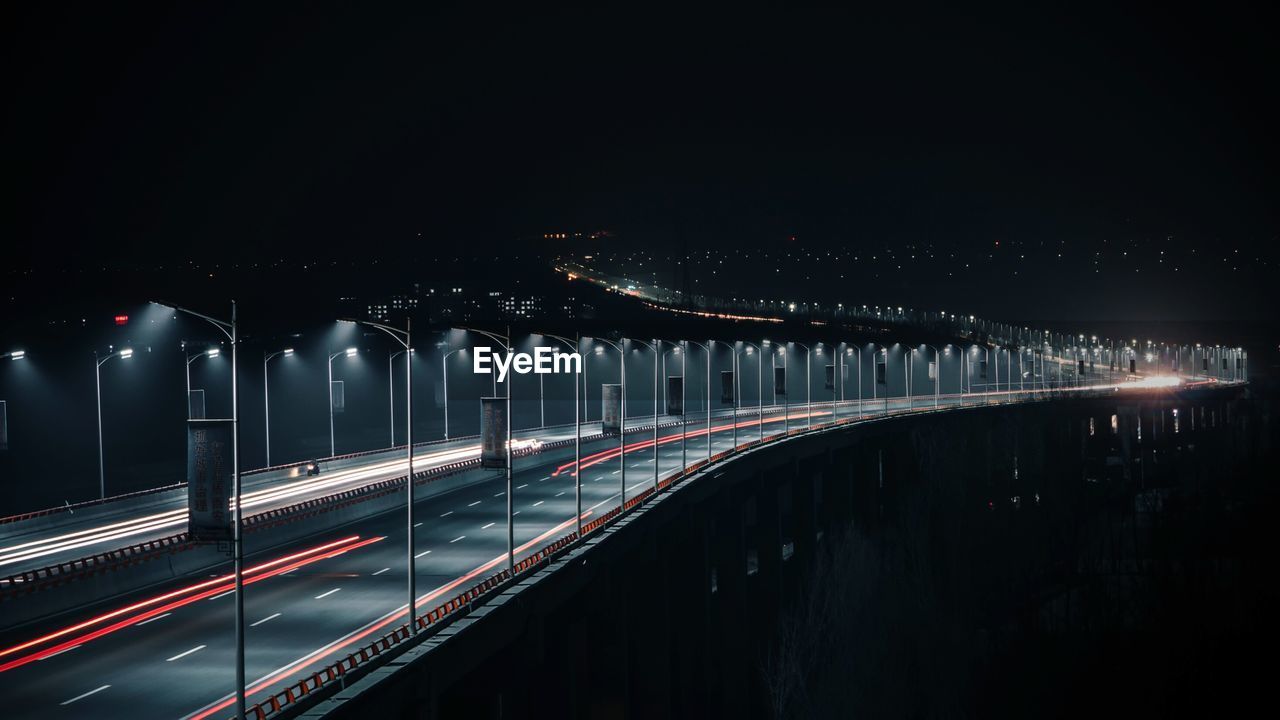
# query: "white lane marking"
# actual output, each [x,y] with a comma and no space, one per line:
[327,594]
[447,514]
[474,504]
[417,524]
[615,472]
[537,503]
[521,487]
[424,552]
[144,622]
[46,657]
[381,571]
[561,493]
[649,460]
[486,527]
[545,478]
[515,512]
[504,492]
[229,592]
[181,655]
[597,479]
[608,499]
[456,539]
[265,619]
[81,697]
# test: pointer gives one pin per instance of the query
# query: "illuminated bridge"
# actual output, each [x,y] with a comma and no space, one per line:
[110,611]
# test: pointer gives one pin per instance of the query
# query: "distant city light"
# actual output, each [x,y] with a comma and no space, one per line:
[122,319]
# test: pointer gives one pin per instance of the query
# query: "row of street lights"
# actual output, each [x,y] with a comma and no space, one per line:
[404,339]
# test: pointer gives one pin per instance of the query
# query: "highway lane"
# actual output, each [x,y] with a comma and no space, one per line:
[462,536]
[23,547]
[179,662]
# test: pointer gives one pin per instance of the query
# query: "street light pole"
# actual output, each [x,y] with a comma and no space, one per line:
[405,339]
[231,330]
[444,366]
[266,395]
[577,430]
[505,342]
[622,412]
[391,390]
[937,373]
[123,354]
[656,349]
[706,349]
[759,389]
[212,352]
[786,395]
[349,352]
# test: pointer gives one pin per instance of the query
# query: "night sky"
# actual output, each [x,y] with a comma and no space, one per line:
[259,132]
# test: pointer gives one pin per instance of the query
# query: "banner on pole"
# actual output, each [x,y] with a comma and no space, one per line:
[780,381]
[726,386]
[493,432]
[675,395]
[339,396]
[195,405]
[611,408]
[830,382]
[210,469]
[4,425]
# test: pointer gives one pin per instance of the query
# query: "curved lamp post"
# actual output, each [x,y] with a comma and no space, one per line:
[266,394]
[505,342]
[123,354]
[349,352]
[212,353]
[230,329]
[405,339]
